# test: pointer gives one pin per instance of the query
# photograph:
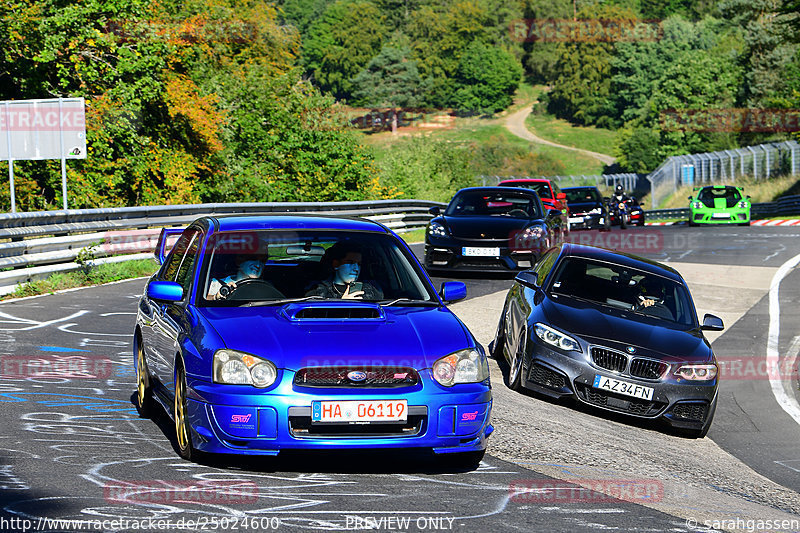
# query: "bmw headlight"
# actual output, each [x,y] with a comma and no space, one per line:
[703,372]
[595,211]
[464,366]
[239,368]
[436,230]
[555,338]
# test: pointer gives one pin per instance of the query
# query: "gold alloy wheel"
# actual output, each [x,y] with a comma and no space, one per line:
[180,413]
[141,376]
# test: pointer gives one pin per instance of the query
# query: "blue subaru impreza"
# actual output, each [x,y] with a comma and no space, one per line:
[266,333]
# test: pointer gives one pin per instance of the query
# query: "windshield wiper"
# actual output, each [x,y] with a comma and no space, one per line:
[259,303]
[409,301]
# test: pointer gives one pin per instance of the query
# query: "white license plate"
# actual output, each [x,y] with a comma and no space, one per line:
[575,220]
[480,252]
[721,215]
[359,411]
[622,387]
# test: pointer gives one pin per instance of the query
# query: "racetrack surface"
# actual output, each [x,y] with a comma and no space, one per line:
[67,445]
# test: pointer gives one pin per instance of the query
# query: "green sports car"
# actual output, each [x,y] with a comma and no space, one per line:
[719,204]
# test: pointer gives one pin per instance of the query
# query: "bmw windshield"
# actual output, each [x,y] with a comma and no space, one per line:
[623,288]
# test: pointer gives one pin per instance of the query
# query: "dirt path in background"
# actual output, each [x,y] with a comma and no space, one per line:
[515,123]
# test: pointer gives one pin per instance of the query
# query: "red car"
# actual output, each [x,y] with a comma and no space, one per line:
[548,191]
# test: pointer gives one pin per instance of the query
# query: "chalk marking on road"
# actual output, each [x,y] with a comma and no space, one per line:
[788,404]
[35,324]
[65,329]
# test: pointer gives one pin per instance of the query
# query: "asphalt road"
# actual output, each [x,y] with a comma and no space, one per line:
[70,447]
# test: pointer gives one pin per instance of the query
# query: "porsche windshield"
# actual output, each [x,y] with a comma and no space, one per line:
[276,266]
[708,196]
[494,204]
[623,288]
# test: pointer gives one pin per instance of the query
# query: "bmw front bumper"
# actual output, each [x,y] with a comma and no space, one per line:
[683,404]
[234,419]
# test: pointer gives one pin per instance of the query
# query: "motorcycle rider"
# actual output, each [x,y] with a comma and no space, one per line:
[619,205]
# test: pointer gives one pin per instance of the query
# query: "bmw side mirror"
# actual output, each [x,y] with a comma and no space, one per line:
[435,210]
[166,291]
[712,323]
[453,291]
[528,278]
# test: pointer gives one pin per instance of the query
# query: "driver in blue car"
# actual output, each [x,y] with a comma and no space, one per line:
[247,267]
[345,259]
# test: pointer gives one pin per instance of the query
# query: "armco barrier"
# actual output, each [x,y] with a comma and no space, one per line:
[45,242]
[41,243]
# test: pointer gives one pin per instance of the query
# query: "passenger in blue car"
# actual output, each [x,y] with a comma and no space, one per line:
[345,260]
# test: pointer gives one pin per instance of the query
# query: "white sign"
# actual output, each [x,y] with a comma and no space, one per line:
[43,129]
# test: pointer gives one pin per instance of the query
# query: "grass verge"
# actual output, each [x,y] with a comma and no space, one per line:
[103,273]
[413,236]
[562,132]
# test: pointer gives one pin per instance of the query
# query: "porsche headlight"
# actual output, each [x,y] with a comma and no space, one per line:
[239,368]
[697,205]
[437,230]
[556,338]
[534,232]
[464,366]
[742,205]
[699,372]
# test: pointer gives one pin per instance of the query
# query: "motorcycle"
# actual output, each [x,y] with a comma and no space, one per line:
[618,213]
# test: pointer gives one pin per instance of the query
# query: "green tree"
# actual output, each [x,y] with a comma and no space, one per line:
[769,50]
[391,80]
[341,42]
[582,89]
[292,146]
[486,79]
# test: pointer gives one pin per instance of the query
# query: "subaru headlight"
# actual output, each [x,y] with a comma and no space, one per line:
[555,338]
[464,366]
[436,230]
[239,368]
[697,205]
[697,372]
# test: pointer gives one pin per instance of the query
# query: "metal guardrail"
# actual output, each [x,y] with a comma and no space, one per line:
[44,242]
[761,161]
